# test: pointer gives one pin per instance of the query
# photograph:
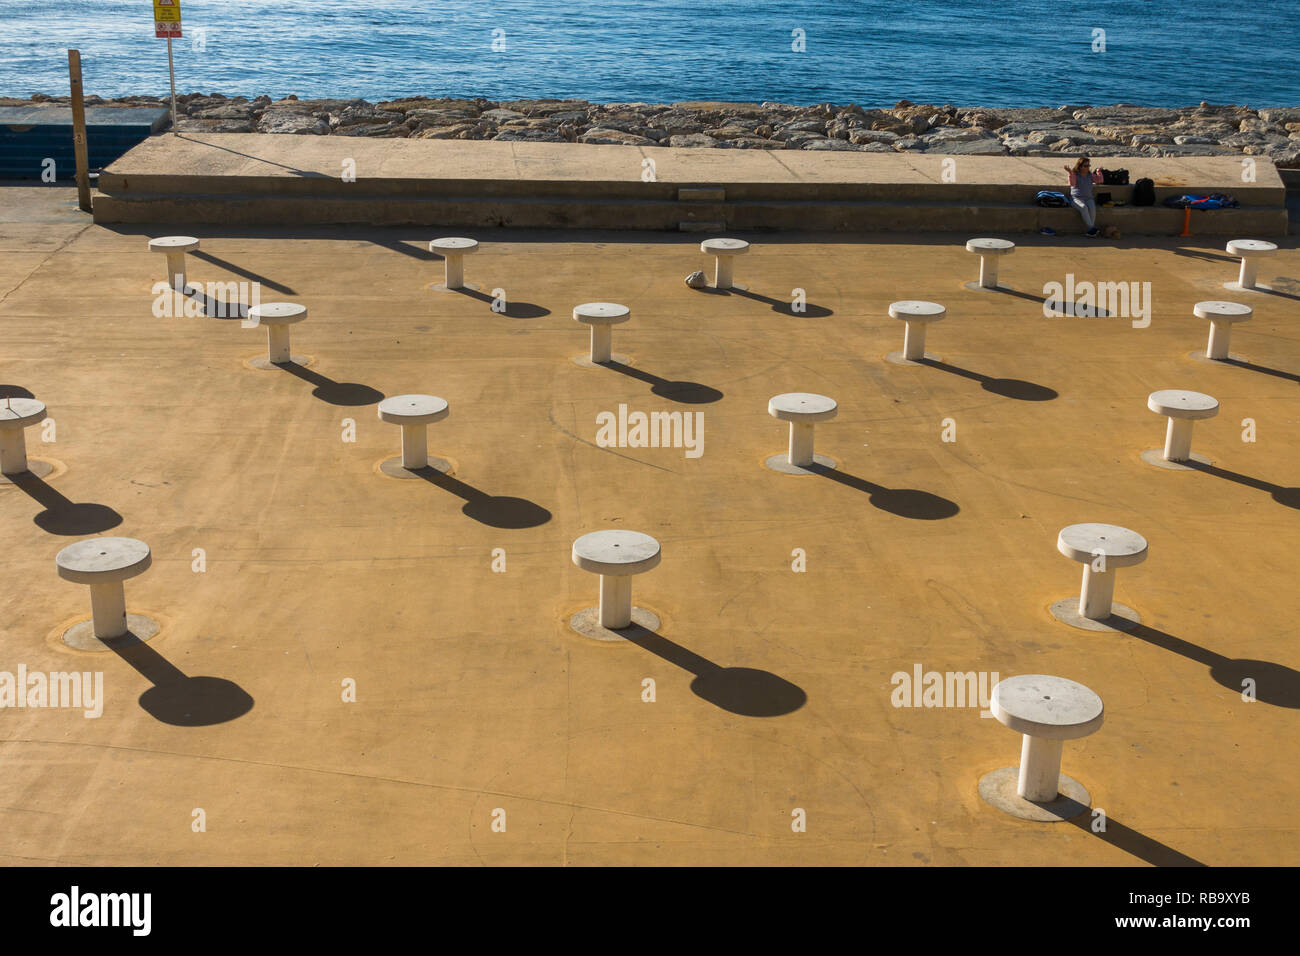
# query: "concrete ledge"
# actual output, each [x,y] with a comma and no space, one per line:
[551,213]
[273,179]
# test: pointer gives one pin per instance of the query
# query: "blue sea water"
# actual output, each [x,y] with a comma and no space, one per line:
[966,52]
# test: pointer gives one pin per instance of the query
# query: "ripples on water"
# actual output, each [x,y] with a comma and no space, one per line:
[968,52]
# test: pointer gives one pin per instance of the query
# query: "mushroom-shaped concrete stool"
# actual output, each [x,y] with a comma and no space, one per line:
[415,413]
[726,251]
[1101,549]
[277,317]
[602,317]
[17,414]
[1048,711]
[175,248]
[615,556]
[453,250]
[989,251]
[104,563]
[1222,316]
[917,315]
[1183,408]
[802,410]
[1251,252]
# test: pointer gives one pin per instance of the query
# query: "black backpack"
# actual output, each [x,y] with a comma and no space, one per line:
[1144,193]
[1114,177]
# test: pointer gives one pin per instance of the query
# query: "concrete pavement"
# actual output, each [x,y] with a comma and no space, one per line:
[472,694]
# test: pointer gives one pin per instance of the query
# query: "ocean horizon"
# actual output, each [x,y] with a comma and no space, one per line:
[975,53]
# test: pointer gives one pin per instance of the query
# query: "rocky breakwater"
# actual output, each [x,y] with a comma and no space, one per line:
[1101,131]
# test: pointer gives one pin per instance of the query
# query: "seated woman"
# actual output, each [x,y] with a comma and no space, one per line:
[1082,179]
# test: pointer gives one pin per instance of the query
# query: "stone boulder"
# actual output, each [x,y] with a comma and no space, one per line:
[1072,137]
[860,137]
[512,134]
[440,117]
[471,107]
[362,115]
[1126,114]
[909,144]
[613,137]
[751,142]
[1280,115]
[840,145]
[227,112]
[1036,126]
[1148,139]
[292,121]
[190,125]
[500,115]
[1176,150]
[984,119]
[1097,149]
[1019,146]
[797,139]
[377,130]
[458,131]
[695,140]
[545,107]
[956,134]
[990,146]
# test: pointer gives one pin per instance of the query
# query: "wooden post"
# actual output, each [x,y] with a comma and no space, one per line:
[79,130]
[171,71]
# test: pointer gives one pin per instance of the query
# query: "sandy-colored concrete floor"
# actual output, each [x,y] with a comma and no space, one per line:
[291,156]
[473,694]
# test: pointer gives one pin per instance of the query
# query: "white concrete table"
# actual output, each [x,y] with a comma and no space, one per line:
[175,247]
[17,415]
[1222,316]
[415,413]
[277,317]
[1183,408]
[616,556]
[1101,549]
[453,250]
[104,563]
[802,410]
[1251,251]
[989,251]
[725,251]
[917,315]
[1047,711]
[602,317]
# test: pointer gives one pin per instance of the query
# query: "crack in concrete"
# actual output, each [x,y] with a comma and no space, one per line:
[53,252]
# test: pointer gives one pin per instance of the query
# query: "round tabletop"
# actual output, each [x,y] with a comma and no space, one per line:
[1222,311]
[1045,706]
[174,244]
[413,409]
[277,313]
[1251,247]
[724,247]
[1083,542]
[95,560]
[915,310]
[616,552]
[16,412]
[802,407]
[1180,403]
[453,244]
[997,247]
[601,313]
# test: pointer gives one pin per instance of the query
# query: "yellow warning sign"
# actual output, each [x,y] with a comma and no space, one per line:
[167,18]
